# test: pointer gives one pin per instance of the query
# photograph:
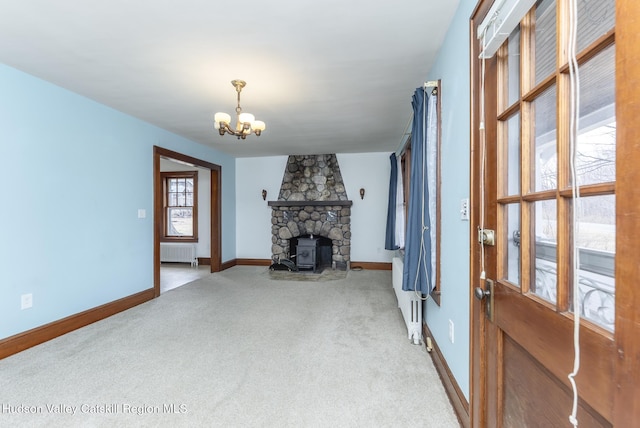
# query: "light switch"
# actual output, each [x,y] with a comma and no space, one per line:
[464,209]
[26,301]
[142,213]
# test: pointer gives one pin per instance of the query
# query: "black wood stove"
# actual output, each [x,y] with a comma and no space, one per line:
[307,253]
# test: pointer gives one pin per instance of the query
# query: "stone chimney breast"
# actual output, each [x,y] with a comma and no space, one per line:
[312,178]
[312,201]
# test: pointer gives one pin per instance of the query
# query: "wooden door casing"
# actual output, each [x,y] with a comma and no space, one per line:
[626,403]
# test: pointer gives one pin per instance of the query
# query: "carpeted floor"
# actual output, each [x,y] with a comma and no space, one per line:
[326,274]
[235,349]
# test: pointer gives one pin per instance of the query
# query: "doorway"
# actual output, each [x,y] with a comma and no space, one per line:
[215,259]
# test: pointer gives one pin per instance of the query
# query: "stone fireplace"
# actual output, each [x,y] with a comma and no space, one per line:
[312,203]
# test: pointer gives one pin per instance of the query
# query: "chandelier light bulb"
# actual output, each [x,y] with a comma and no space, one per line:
[222,118]
[246,118]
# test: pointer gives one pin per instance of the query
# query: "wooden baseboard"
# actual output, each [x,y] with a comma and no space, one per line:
[268,262]
[204,261]
[228,264]
[371,265]
[254,262]
[458,401]
[21,341]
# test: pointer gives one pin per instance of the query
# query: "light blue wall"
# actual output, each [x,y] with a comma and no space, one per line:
[74,174]
[253,232]
[452,66]
[369,171]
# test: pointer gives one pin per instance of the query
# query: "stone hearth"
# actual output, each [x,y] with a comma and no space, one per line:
[312,201]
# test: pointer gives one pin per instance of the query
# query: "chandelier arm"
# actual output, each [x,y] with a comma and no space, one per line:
[224,127]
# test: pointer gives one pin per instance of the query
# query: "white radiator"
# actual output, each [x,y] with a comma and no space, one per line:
[409,303]
[185,253]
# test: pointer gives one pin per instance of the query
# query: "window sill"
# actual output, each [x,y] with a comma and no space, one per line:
[177,239]
[435,296]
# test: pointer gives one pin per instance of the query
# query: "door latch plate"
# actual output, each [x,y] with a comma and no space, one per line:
[487,237]
[489,308]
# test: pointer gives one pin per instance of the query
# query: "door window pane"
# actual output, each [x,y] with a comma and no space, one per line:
[545,39]
[544,254]
[595,18]
[513,64]
[596,142]
[512,245]
[596,239]
[545,160]
[513,155]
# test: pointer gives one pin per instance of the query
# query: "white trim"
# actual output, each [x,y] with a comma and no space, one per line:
[503,17]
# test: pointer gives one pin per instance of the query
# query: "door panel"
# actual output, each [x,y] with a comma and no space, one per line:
[547,337]
[535,396]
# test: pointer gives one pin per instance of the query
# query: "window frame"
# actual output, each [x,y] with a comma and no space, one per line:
[165,177]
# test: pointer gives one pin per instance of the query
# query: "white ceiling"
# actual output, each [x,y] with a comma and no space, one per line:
[326,76]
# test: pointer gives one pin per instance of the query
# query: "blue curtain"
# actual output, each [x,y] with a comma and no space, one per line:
[417,258]
[390,238]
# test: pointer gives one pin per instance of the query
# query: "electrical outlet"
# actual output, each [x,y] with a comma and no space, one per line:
[451,331]
[464,209]
[26,301]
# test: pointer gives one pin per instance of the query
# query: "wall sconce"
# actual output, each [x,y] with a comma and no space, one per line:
[361,193]
[264,195]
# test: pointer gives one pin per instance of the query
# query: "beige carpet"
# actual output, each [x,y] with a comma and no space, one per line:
[326,274]
[235,349]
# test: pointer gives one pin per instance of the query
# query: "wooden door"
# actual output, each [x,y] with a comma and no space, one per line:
[546,240]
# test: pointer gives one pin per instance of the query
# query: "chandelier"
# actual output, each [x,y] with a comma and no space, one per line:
[246,123]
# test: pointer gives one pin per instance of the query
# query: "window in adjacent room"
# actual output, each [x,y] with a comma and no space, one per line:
[180,206]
